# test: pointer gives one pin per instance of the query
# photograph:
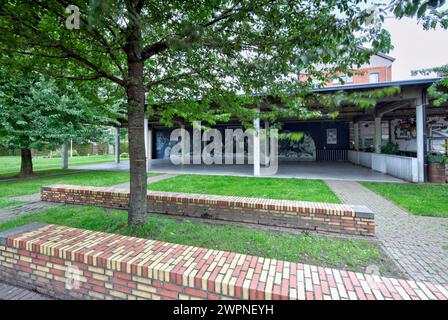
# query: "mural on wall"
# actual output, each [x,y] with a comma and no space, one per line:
[163,144]
[303,150]
[332,136]
[438,133]
[405,129]
[404,133]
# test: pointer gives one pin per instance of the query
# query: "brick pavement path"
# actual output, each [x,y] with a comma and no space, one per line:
[418,244]
[9,292]
[31,204]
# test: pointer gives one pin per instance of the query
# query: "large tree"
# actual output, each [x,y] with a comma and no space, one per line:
[37,113]
[190,55]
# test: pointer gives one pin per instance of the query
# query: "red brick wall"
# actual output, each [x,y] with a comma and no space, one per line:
[74,263]
[315,216]
[361,76]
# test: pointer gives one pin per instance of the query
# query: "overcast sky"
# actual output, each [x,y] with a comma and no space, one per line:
[415,48]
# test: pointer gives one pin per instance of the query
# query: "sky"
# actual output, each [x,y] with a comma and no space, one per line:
[415,48]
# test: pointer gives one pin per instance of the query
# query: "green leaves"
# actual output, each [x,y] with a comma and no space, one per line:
[38,113]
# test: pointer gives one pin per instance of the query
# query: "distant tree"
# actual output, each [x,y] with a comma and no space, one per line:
[36,113]
[187,56]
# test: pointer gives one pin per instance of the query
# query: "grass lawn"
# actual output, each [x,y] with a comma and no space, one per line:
[86,178]
[419,199]
[10,165]
[352,255]
[273,188]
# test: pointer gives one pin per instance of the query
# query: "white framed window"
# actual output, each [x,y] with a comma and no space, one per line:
[374,77]
[347,78]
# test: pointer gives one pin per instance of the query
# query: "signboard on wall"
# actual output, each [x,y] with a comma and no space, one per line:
[332,136]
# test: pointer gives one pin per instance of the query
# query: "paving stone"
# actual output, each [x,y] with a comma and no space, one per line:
[415,242]
[9,292]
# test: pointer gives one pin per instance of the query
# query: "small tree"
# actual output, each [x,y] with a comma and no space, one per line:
[38,114]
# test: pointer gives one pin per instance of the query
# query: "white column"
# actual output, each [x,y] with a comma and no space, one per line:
[64,156]
[145,132]
[266,150]
[378,135]
[256,147]
[117,145]
[150,143]
[356,134]
[420,119]
[185,146]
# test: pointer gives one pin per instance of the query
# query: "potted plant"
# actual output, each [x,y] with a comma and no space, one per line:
[436,167]
[390,148]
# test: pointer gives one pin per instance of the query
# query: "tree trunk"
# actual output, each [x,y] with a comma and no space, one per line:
[26,166]
[136,110]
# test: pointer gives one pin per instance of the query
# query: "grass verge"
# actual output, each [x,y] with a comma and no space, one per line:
[419,199]
[348,254]
[271,188]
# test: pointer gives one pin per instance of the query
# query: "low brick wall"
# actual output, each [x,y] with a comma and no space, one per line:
[328,217]
[74,263]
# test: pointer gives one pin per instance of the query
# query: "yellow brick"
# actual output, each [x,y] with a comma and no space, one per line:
[99,277]
[183,297]
[141,279]
[117,294]
[108,285]
[96,270]
[96,295]
[142,294]
[146,288]
[44,269]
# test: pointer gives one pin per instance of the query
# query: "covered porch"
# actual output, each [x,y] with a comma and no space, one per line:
[323,170]
[346,148]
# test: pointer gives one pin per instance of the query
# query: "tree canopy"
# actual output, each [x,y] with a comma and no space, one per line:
[37,113]
[183,57]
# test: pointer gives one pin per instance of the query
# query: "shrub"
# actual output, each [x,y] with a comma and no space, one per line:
[390,148]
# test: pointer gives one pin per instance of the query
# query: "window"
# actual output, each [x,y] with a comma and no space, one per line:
[347,78]
[374,77]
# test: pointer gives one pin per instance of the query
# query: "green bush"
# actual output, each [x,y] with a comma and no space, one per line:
[390,148]
[437,158]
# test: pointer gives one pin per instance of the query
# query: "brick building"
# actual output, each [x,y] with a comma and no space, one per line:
[379,69]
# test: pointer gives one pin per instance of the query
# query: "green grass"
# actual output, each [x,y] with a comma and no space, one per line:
[85,178]
[352,255]
[419,199]
[271,188]
[10,165]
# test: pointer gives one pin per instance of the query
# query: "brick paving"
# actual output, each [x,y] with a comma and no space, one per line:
[418,244]
[9,292]
[31,205]
[127,268]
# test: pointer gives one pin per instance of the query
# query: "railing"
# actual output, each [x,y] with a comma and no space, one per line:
[405,168]
[331,155]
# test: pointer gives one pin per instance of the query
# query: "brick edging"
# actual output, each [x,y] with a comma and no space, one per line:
[316,216]
[120,267]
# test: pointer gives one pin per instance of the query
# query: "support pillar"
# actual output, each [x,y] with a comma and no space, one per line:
[420,119]
[117,145]
[145,132]
[150,132]
[356,135]
[64,156]
[256,147]
[378,135]
[266,152]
